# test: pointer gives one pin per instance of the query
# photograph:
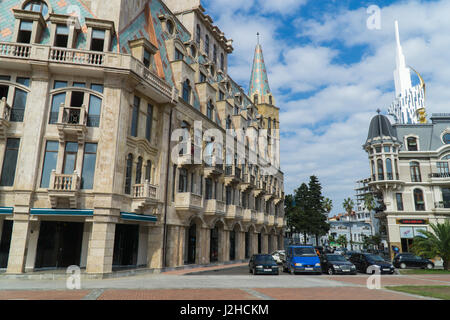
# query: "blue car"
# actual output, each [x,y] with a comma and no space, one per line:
[302,259]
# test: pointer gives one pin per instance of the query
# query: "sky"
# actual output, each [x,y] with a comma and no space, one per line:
[329,73]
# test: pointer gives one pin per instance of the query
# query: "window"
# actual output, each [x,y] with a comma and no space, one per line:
[62,36]
[412,144]
[148,127]
[139,170]
[70,157]
[50,160]
[389,169]
[170,26]
[387,149]
[415,172]
[192,182]
[210,110]
[228,124]
[57,100]
[446,138]
[397,175]
[198,35]
[148,171]
[236,110]
[446,197]
[215,54]
[178,55]
[37,6]
[399,198]
[23,81]
[222,61]
[59,84]
[202,77]
[380,169]
[88,172]
[128,174]
[208,189]
[419,200]
[135,117]
[182,180]
[10,162]
[174,175]
[221,96]
[147,58]
[207,45]
[187,91]
[98,40]
[443,168]
[25,30]
[93,117]
[378,149]
[270,100]
[18,108]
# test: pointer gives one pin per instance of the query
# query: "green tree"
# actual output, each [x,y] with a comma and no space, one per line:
[369,202]
[303,220]
[331,238]
[434,244]
[327,205]
[348,205]
[342,241]
[317,209]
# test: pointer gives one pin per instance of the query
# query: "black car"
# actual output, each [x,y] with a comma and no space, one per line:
[363,261]
[336,263]
[409,260]
[263,264]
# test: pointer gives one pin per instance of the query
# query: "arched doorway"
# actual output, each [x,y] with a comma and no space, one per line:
[232,245]
[247,244]
[191,244]
[214,245]
[259,242]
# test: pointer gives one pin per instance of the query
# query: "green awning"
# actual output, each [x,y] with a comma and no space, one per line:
[62,212]
[137,217]
[6,210]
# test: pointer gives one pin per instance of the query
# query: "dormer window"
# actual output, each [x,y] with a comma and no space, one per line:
[143,50]
[178,55]
[37,6]
[25,30]
[98,40]
[412,144]
[147,58]
[62,36]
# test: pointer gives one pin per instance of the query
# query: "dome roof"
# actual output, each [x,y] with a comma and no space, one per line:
[380,127]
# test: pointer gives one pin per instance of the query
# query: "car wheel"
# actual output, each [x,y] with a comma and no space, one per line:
[430,266]
[402,266]
[330,271]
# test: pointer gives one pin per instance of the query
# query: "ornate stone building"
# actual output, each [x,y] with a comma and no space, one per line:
[93,172]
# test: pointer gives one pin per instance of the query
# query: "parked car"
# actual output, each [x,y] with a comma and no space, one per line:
[279,256]
[336,263]
[348,254]
[301,259]
[409,260]
[263,264]
[340,251]
[363,261]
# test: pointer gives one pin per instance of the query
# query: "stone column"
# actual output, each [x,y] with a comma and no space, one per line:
[32,246]
[101,244]
[19,242]
[204,246]
[181,245]
[254,242]
[240,246]
[224,246]
[154,248]
[275,242]
[172,246]
[265,243]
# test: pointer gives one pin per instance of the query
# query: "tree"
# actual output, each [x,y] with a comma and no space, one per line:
[369,202]
[348,205]
[331,238]
[327,205]
[342,241]
[317,209]
[303,219]
[434,244]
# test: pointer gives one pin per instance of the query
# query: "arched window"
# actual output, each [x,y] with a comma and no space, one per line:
[128,174]
[210,110]
[199,35]
[148,171]
[270,100]
[412,144]
[415,172]
[139,170]
[380,169]
[170,26]
[389,169]
[207,45]
[222,61]
[37,6]
[187,91]
[419,201]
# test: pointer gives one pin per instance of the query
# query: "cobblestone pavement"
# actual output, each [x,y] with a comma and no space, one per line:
[177,285]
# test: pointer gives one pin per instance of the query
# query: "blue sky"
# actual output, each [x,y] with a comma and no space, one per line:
[330,73]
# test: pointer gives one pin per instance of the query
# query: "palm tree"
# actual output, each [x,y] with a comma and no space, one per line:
[342,241]
[434,244]
[327,205]
[348,205]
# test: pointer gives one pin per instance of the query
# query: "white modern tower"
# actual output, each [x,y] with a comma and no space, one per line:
[409,104]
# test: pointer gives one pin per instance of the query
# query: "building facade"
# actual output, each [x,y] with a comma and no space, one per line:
[125,143]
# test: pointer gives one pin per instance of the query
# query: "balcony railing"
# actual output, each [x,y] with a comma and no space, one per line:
[439,175]
[145,190]
[64,182]
[442,205]
[73,115]
[77,56]
[15,50]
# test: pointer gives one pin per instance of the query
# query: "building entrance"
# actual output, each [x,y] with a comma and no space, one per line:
[191,244]
[406,245]
[126,241]
[59,244]
[214,245]
[5,242]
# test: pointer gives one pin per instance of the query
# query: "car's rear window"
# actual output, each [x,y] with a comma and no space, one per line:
[303,252]
[264,259]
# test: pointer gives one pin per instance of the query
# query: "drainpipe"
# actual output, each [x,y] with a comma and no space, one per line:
[167,192]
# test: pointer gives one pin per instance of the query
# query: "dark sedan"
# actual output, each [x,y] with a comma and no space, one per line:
[409,260]
[336,264]
[263,264]
[366,262]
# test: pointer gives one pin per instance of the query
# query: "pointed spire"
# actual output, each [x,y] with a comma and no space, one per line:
[259,83]
[402,75]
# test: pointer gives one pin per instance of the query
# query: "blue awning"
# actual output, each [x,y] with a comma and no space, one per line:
[6,210]
[62,212]
[137,217]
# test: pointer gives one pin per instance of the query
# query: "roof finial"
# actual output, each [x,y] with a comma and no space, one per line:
[378,111]
[257,37]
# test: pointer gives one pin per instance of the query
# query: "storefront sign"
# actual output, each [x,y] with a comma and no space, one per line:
[406,232]
[412,221]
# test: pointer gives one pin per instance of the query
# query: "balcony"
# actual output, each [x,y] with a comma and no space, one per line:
[279,222]
[72,123]
[214,207]
[213,169]
[259,217]
[442,205]
[5,114]
[144,195]
[270,220]
[440,178]
[260,189]
[234,212]
[232,175]
[77,56]
[187,201]
[247,182]
[64,189]
[249,215]
[15,50]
